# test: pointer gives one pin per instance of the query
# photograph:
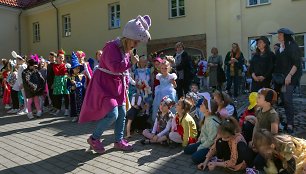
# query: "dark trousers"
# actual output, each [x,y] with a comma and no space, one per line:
[58,101]
[46,102]
[247,131]
[236,81]
[288,104]
[183,86]
[15,99]
[198,156]
[224,151]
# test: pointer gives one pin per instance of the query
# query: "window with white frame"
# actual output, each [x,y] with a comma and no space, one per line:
[114,15]
[177,8]
[252,44]
[257,2]
[66,25]
[301,41]
[36,32]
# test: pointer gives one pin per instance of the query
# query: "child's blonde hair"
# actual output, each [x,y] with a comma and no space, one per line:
[285,145]
[166,63]
[142,58]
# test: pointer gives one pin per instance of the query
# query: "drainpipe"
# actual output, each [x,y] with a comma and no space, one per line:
[57,25]
[19,32]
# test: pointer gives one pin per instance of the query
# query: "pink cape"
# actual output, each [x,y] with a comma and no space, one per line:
[106,91]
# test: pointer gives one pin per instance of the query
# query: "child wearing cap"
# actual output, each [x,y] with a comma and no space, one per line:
[209,130]
[195,112]
[34,85]
[76,86]
[248,119]
[162,124]
[267,117]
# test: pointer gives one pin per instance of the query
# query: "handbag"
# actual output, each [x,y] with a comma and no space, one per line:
[278,78]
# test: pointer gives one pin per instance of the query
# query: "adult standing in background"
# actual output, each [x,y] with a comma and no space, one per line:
[214,61]
[94,62]
[261,65]
[183,66]
[288,64]
[234,63]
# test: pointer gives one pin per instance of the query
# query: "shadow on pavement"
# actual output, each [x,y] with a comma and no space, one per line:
[60,164]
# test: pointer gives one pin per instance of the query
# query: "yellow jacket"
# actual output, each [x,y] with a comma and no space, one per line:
[190,129]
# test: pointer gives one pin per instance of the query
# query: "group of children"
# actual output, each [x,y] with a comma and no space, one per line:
[28,80]
[210,130]
[206,125]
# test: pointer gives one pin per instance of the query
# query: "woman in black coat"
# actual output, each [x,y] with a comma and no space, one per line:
[183,67]
[261,65]
[288,64]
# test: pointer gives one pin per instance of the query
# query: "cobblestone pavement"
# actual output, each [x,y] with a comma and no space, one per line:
[55,145]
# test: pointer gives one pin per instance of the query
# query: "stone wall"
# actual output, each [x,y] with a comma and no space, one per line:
[196,42]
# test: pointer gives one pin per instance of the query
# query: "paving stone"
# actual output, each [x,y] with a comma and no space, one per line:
[55,145]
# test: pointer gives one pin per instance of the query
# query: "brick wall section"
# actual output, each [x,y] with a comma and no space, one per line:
[192,41]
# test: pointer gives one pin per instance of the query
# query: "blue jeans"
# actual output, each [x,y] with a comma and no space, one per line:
[117,115]
[198,156]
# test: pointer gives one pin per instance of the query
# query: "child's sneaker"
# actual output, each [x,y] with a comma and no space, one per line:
[7,107]
[75,119]
[22,112]
[11,111]
[56,112]
[123,145]
[45,109]
[96,145]
[66,112]
[39,114]
[30,115]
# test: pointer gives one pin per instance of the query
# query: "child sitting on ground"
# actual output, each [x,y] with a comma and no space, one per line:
[279,153]
[133,112]
[209,131]
[247,120]
[184,129]
[162,124]
[195,112]
[267,117]
[229,147]
[226,108]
